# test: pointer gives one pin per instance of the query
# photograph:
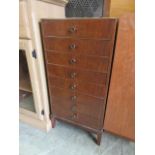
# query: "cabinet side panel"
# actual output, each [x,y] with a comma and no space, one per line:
[120,112]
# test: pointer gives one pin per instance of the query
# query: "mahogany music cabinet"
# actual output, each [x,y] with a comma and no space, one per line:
[78,59]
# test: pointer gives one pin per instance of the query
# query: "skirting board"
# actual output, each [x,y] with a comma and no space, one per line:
[45,126]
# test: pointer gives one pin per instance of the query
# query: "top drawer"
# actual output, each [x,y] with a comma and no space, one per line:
[83,28]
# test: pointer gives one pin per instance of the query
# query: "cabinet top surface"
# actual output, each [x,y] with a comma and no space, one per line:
[78,18]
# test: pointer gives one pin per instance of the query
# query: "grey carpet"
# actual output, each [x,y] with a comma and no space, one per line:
[65,139]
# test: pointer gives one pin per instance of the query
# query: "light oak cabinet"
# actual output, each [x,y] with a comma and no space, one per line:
[33,96]
[119,7]
[24,23]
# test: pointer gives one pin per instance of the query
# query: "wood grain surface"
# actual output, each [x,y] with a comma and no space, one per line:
[84,28]
[119,7]
[79,46]
[120,111]
[78,58]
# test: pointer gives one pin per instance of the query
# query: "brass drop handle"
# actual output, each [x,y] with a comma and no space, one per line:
[73,75]
[72,46]
[74,116]
[73,87]
[72,61]
[74,108]
[72,29]
[73,98]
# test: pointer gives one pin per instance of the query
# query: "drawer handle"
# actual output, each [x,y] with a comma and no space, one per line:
[73,75]
[72,29]
[74,116]
[73,87]
[72,61]
[74,108]
[73,98]
[72,46]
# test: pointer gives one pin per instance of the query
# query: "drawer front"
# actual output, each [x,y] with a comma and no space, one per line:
[74,96]
[79,86]
[79,28]
[90,109]
[24,27]
[76,74]
[98,64]
[79,46]
[79,118]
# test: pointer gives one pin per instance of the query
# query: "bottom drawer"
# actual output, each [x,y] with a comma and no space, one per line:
[91,109]
[77,117]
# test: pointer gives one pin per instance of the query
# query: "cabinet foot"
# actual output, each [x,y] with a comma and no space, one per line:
[98,140]
[53,121]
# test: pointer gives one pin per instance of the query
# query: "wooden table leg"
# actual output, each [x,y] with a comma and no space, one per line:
[53,121]
[99,136]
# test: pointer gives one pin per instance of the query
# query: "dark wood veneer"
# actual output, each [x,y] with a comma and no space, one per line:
[80,97]
[80,74]
[78,57]
[78,45]
[90,109]
[80,86]
[73,60]
[80,28]
[79,119]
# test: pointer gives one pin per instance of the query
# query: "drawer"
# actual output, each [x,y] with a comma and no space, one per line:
[76,74]
[79,118]
[80,86]
[74,96]
[84,28]
[80,46]
[90,109]
[99,64]
[24,27]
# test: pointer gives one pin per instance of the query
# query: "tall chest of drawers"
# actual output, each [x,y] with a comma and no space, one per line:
[78,59]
